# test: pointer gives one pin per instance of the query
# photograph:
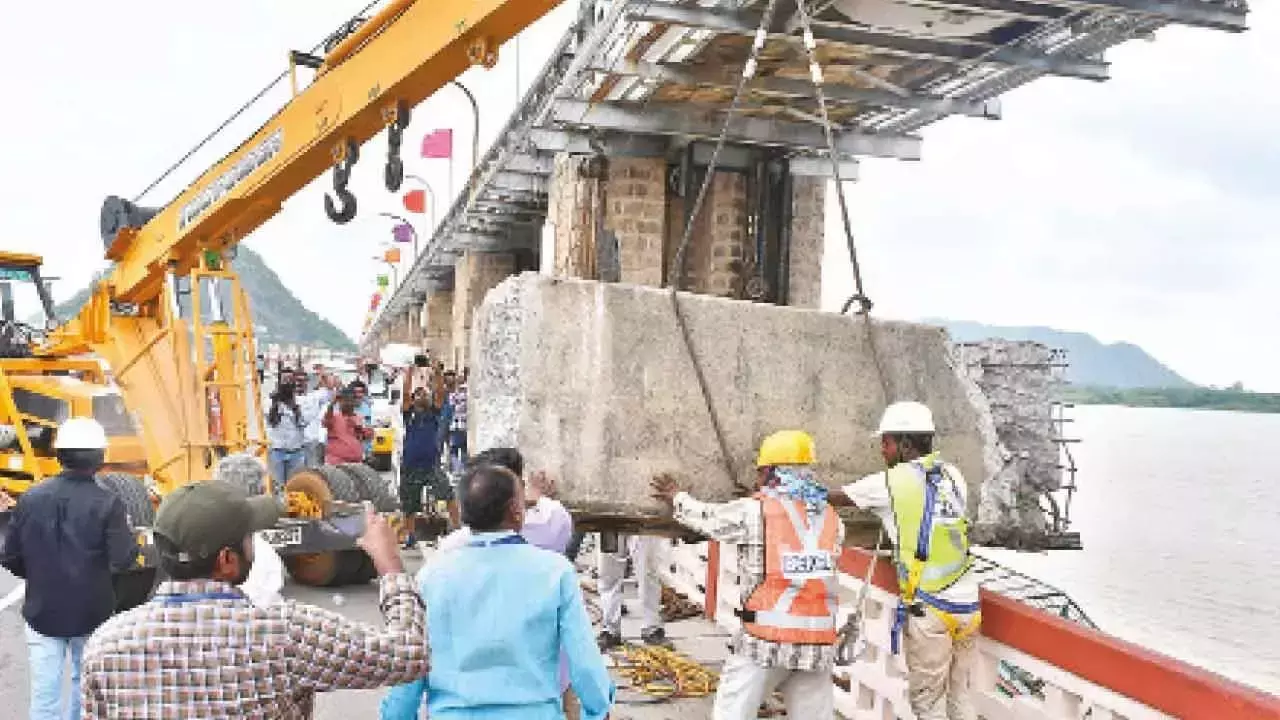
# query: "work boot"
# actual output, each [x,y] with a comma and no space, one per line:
[656,637]
[608,640]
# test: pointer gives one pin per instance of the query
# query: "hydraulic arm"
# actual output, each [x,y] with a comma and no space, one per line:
[170,318]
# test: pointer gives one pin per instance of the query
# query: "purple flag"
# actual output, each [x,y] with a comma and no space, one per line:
[403,232]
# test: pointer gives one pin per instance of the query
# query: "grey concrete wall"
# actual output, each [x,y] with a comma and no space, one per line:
[591,381]
[1019,382]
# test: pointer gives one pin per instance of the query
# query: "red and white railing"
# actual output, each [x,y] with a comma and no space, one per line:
[1034,665]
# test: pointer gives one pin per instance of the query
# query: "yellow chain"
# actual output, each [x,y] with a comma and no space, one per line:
[665,673]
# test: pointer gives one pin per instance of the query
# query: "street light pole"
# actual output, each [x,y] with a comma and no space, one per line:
[412,229]
[431,198]
[395,274]
[475,123]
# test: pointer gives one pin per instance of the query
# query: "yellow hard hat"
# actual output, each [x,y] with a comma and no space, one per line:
[786,447]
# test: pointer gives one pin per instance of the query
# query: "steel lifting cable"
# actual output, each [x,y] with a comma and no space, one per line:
[240,111]
[859,293]
[678,264]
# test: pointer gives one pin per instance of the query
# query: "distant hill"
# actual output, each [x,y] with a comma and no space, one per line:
[1092,363]
[278,316]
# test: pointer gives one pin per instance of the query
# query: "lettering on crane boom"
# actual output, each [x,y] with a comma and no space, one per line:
[257,156]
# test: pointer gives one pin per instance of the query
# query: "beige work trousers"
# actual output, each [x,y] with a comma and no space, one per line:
[744,685]
[939,671]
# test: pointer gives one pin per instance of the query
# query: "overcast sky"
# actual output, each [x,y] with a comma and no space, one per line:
[1142,209]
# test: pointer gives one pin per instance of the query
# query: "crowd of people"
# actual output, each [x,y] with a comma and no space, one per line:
[494,624]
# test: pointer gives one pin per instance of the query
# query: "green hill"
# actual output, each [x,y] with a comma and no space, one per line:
[278,316]
[1091,363]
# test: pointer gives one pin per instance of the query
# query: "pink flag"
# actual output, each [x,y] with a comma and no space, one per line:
[438,145]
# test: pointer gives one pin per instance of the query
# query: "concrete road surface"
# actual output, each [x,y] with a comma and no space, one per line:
[697,639]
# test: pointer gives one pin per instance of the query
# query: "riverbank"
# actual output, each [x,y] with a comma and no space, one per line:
[1195,398]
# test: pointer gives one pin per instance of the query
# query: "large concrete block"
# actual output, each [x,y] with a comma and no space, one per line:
[593,383]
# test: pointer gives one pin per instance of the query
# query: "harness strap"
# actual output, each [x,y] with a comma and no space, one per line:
[945,610]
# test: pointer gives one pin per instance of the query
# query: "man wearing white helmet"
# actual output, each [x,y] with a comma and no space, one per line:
[921,501]
[66,538]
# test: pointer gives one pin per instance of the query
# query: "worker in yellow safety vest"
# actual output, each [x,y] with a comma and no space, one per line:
[788,540]
[921,502]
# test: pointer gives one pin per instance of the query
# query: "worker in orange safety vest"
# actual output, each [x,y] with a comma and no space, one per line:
[788,539]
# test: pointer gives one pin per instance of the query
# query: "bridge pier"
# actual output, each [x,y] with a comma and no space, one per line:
[759,234]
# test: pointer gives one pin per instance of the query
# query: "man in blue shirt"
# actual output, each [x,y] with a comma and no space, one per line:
[420,462]
[499,612]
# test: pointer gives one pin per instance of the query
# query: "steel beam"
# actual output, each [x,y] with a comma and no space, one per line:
[717,78]
[1184,12]
[1012,9]
[686,120]
[821,168]
[746,23]
[528,165]
[518,182]
[734,157]
[578,143]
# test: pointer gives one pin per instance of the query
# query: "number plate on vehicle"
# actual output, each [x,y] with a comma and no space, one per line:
[280,537]
[807,565]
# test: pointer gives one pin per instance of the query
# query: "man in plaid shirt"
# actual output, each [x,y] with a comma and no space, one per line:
[200,649]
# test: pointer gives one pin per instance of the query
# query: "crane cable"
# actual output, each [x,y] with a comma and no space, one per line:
[678,263]
[854,629]
[242,109]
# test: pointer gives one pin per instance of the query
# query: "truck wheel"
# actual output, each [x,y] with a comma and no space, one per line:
[371,486]
[323,485]
[356,567]
[314,569]
[344,486]
[134,495]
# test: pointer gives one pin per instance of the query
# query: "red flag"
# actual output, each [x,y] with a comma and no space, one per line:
[438,145]
[415,201]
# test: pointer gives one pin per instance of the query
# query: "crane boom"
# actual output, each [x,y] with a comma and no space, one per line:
[397,59]
[182,352]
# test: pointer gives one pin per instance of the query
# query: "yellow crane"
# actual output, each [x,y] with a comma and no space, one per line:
[163,351]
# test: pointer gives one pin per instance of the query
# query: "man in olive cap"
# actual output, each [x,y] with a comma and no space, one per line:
[200,648]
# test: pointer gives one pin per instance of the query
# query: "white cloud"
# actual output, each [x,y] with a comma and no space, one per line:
[1140,209]
[1136,209]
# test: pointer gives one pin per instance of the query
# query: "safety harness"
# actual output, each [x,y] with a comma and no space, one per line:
[913,599]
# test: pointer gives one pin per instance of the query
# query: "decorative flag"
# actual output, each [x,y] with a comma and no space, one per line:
[383,281]
[438,145]
[403,233]
[392,255]
[415,201]
[375,301]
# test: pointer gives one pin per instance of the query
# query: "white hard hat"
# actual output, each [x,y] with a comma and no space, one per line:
[906,417]
[80,434]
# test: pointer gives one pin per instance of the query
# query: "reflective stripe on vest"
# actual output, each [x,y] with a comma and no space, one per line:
[928,512]
[796,602]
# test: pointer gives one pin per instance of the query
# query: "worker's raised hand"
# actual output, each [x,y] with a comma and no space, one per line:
[379,542]
[541,485]
[665,488]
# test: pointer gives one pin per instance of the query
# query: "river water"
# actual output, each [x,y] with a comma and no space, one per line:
[1178,513]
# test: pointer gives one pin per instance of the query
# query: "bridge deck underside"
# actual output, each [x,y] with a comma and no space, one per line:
[651,77]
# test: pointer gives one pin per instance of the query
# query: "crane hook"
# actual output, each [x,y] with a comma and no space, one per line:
[393,175]
[344,210]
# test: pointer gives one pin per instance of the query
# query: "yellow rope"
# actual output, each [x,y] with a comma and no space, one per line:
[662,672]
